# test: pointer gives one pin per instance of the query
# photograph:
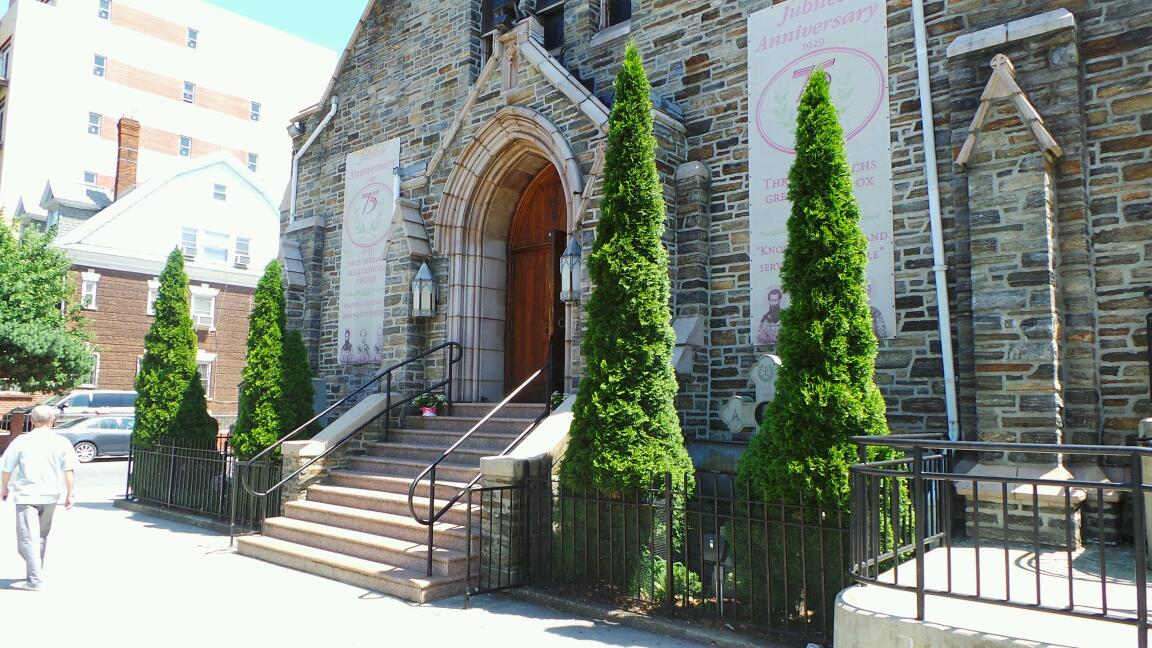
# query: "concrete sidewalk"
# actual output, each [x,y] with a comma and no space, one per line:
[117,578]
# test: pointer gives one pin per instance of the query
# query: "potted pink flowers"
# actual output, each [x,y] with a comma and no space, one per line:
[430,403]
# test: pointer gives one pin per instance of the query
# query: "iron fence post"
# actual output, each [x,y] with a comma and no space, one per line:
[128,477]
[918,507]
[171,471]
[668,593]
[232,512]
[1137,470]
[468,555]
[431,514]
[387,407]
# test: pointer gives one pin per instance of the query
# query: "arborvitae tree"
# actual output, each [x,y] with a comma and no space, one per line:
[825,391]
[43,347]
[298,393]
[261,410]
[625,431]
[169,361]
[193,424]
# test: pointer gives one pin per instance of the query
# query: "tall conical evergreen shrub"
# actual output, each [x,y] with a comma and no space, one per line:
[825,391]
[169,361]
[625,431]
[193,425]
[259,421]
[298,392]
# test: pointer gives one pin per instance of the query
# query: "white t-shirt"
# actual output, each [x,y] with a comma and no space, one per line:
[37,461]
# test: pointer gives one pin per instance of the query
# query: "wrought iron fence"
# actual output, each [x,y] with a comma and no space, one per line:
[699,549]
[201,478]
[1032,540]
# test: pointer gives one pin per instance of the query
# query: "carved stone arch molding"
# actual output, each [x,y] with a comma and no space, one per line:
[477,204]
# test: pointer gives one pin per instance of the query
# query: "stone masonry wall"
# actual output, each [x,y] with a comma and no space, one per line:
[411,70]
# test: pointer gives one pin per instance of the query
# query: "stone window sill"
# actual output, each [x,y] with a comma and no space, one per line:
[609,34]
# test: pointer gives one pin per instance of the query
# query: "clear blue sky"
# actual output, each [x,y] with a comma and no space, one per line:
[328,23]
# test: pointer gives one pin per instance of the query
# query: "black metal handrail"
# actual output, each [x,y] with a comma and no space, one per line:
[430,472]
[455,354]
[885,533]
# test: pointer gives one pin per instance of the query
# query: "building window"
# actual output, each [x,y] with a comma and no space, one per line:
[153,295]
[255,111]
[99,64]
[139,364]
[193,37]
[5,57]
[105,9]
[216,247]
[550,13]
[205,368]
[253,162]
[188,243]
[189,91]
[219,192]
[185,146]
[94,123]
[53,219]
[204,306]
[89,177]
[88,284]
[614,12]
[3,112]
[92,378]
[243,252]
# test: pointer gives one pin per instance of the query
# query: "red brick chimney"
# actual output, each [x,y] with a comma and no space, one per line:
[127,155]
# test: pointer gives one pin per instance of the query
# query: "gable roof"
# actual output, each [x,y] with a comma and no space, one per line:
[72,194]
[142,192]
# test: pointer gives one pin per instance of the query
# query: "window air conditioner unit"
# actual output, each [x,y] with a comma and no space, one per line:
[242,261]
[202,321]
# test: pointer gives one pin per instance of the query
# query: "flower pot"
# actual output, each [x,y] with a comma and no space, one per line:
[427,410]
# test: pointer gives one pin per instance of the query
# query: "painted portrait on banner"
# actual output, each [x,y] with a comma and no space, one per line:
[370,191]
[786,42]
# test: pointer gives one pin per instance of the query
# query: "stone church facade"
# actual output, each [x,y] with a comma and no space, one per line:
[1046,247]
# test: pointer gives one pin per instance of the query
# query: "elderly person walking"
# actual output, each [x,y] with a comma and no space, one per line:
[39,468]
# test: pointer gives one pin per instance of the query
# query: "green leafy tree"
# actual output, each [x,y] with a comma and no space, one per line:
[260,419]
[43,343]
[169,361]
[825,392]
[193,425]
[625,431]
[298,392]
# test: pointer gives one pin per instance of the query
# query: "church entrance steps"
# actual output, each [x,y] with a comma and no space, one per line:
[443,439]
[369,546]
[401,527]
[459,424]
[408,584]
[387,484]
[355,525]
[426,454]
[411,467]
[395,504]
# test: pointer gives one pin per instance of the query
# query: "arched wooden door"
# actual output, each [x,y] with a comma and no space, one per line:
[535,320]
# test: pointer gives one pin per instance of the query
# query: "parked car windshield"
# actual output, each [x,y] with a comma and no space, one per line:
[53,400]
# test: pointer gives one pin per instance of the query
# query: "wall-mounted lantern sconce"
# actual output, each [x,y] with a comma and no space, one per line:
[570,272]
[423,293]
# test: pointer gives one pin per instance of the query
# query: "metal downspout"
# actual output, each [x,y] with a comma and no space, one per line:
[300,153]
[939,262]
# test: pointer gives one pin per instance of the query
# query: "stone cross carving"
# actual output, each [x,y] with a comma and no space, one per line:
[742,412]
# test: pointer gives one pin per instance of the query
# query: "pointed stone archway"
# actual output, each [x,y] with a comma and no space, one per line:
[480,198]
